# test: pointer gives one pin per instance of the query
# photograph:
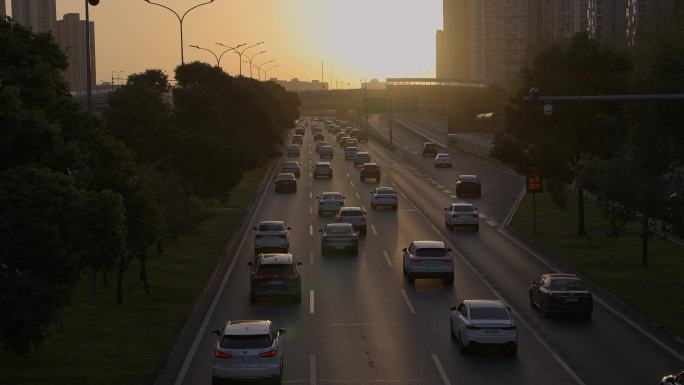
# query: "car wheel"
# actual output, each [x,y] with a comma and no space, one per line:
[451,330]
[477,227]
[532,305]
[512,349]
[545,310]
[449,281]
[394,207]
[463,348]
[411,279]
[586,315]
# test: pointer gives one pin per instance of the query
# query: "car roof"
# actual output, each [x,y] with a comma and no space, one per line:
[272,223]
[429,244]
[462,204]
[480,303]
[469,178]
[323,164]
[350,148]
[350,208]
[372,164]
[361,153]
[247,327]
[443,154]
[337,225]
[276,259]
[293,145]
[325,146]
[331,193]
[384,188]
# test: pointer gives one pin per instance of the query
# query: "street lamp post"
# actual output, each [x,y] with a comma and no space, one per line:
[258,67]
[240,53]
[251,59]
[268,69]
[89,81]
[180,20]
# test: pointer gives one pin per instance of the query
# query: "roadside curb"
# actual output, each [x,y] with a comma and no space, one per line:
[668,337]
[173,362]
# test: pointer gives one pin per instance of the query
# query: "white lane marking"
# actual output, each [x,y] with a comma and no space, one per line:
[387,258]
[439,186]
[453,196]
[357,195]
[311,258]
[393,184]
[347,175]
[310,195]
[408,301]
[310,175]
[202,330]
[384,175]
[447,192]
[598,299]
[312,369]
[403,194]
[513,209]
[368,324]
[373,230]
[311,301]
[440,369]
[536,336]
[310,210]
[310,229]
[351,183]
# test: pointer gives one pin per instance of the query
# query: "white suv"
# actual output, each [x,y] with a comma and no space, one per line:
[272,236]
[461,214]
[248,349]
[483,322]
[428,259]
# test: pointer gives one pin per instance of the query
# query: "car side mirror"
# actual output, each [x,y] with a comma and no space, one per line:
[320,230]
[453,308]
[217,332]
[404,249]
[254,228]
[448,248]
[344,197]
[509,308]
[250,263]
[289,228]
[318,197]
[282,331]
[299,263]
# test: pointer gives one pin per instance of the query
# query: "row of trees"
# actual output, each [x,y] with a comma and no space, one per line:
[82,195]
[629,155]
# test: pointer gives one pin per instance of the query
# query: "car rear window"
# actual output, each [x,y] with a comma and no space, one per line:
[370,167]
[463,209]
[436,252]
[276,269]
[271,227]
[488,313]
[330,197]
[470,184]
[254,341]
[339,229]
[351,213]
[567,285]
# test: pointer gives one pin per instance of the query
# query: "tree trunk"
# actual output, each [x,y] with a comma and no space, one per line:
[581,230]
[160,246]
[143,271]
[644,241]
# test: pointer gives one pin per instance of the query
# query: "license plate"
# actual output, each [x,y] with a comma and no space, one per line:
[491,331]
[246,360]
[276,282]
[572,300]
[339,247]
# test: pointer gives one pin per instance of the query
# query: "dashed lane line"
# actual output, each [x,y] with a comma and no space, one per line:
[373,230]
[357,195]
[440,369]
[310,230]
[311,301]
[408,301]
[387,258]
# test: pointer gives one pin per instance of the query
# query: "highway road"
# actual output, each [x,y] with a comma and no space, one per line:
[360,322]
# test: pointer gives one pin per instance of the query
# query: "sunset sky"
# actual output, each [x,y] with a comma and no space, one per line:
[359,38]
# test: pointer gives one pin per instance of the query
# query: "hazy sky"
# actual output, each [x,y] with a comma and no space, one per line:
[359,38]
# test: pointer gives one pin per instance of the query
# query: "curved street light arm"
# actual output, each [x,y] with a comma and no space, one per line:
[164,6]
[218,59]
[198,5]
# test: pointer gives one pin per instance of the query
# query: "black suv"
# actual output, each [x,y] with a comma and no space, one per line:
[275,275]
[430,149]
[469,185]
[370,171]
[561,293]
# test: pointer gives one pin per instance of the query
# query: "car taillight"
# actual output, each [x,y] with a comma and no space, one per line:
[413,259]
[270,353]
[292,276]
[555,297]
[259,277]
[474,215]
[363,219]
[508,328]
[223,355]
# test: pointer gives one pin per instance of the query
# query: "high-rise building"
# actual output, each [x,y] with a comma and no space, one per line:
[642,15]
[487,40]
[71,38]
[3,10]
[37,15]
[562,19]
[606,21]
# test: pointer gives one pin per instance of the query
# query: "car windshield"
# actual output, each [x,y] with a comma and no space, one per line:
[339,230]
[488,313]
[254,341]
[271,227]
[276,269]
[567,284]
[431,252]
[463,209]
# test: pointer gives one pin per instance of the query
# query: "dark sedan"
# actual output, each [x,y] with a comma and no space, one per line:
[275,275]
[561,293]
[286,181]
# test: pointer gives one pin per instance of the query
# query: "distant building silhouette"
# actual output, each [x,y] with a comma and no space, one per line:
[298,85]
[38,15]
[71,39]
[643,15]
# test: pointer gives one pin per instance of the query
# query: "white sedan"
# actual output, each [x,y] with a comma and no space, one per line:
[483,322]
[461,214]
[384,196]
[272,236]
[442,160]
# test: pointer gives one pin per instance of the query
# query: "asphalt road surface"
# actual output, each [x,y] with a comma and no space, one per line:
[360,322]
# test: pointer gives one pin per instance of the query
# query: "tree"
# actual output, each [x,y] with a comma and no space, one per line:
[563,143]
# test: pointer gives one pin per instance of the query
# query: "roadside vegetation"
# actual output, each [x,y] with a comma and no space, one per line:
[96,214]
[611,262]
[627,154]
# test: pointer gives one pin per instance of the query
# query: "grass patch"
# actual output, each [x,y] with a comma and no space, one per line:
[102,343]
[615,264]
